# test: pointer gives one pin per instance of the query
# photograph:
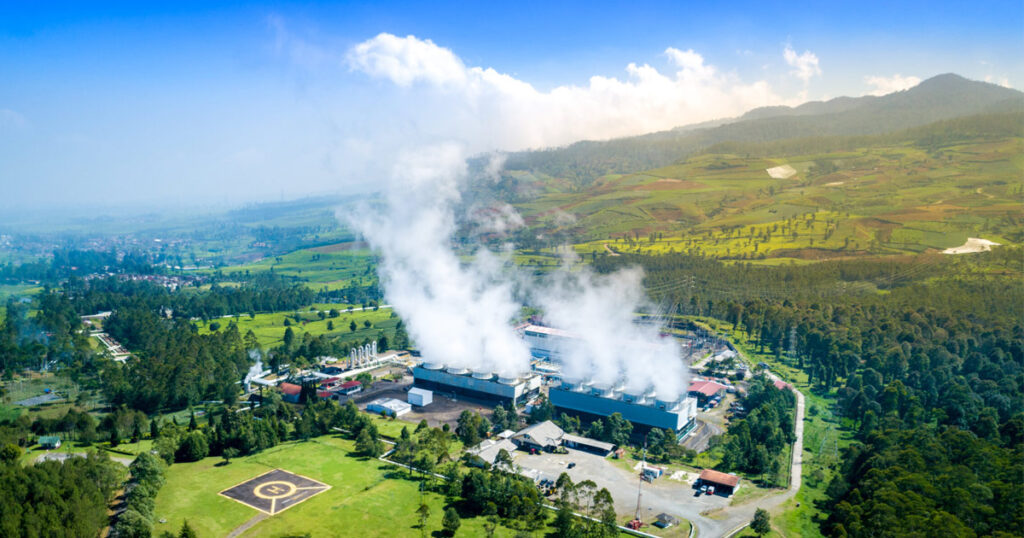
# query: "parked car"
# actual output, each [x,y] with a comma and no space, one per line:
[704,488]
[711,490]
[572,464]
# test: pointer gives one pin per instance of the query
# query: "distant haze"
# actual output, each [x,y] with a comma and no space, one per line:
[204,104]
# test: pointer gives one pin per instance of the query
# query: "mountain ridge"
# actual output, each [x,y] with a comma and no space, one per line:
[938,98]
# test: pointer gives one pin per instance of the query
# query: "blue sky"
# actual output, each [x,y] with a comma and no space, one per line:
[132,102]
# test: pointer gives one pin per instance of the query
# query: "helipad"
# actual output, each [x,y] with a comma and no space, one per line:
[275,491]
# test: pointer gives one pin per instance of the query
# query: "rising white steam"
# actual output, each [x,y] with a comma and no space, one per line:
[609,347]
[460,313]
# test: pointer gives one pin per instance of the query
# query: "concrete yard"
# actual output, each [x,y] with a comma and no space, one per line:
[663,495]
[443,410]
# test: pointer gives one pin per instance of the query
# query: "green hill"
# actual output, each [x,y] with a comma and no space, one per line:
[920,189]
[939,98]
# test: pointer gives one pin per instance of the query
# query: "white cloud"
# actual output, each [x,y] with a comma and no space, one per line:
[886,85]
[805,66]
[486,109]
[407,60]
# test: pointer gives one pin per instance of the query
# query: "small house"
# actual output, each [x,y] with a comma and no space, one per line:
[290,392]
[545,436]
[49,441]
[350,387]
[705,391]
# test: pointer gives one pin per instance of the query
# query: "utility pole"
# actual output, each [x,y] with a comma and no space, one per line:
[637,522]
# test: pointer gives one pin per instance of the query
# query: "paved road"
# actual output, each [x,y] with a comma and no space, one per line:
[670,496]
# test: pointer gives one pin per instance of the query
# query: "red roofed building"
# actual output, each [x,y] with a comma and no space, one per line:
[724,483]
[706,390]
[350,387]
[290,392]
[781,385]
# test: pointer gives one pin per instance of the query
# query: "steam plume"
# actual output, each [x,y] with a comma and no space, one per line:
[460,313]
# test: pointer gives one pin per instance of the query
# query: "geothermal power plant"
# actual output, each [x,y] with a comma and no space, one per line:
[476,384]
[642,407]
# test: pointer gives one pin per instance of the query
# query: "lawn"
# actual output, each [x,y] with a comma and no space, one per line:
[269,328]
[367,497]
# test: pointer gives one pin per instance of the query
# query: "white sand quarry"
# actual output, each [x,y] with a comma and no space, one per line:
[781,172]
[972,245]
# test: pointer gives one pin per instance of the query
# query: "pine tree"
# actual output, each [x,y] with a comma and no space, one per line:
[761,524]
[451,521]
[186,531]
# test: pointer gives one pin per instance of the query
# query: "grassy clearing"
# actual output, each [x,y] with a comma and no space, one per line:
[367,497]
[320,268]
[23,387]
[269,328]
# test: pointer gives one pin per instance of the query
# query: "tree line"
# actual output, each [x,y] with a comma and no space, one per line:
[932,366]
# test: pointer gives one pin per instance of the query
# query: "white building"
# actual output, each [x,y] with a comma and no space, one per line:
[388,406]
[420,397]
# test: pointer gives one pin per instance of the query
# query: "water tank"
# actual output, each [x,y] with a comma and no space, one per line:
[482,374]
[457,370]
[666,404]
[433,365]
[633,395]
[571,383]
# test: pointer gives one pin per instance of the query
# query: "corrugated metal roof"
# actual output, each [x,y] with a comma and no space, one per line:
[550,331]
[588,441]
[290,388]
[718,477]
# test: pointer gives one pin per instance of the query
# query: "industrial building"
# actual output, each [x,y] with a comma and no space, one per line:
[420,397]
[546,342]
[724,483]
[642,408]
[476,384]
[389,406]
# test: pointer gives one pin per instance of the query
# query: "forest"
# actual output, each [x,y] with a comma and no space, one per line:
[930,373]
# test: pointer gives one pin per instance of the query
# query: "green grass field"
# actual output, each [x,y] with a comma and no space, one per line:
[367,497]
[269,328]
[329,267]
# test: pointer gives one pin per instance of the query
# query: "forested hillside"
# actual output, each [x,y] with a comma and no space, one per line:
[929,374]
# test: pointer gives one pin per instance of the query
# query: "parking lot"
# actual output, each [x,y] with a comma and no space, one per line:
[662,495]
